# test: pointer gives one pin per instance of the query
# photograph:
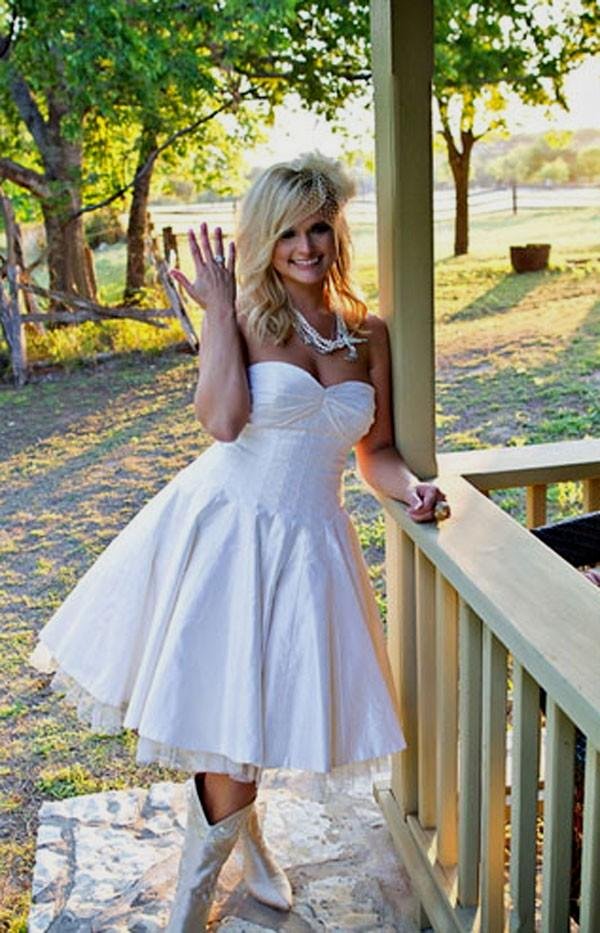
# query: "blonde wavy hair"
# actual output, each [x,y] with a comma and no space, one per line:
[281,197]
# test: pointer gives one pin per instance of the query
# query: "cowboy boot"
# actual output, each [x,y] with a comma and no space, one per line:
[205,849]
[265,880]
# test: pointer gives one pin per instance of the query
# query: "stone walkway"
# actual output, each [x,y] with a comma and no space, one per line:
[108,862]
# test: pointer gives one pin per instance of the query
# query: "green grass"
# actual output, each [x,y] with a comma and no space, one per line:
[518,361]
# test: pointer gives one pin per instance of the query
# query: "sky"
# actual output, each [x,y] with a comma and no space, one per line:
[293,123]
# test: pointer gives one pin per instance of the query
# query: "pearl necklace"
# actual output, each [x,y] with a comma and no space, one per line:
[312,338]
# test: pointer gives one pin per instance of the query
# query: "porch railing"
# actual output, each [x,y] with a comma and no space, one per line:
[482,617]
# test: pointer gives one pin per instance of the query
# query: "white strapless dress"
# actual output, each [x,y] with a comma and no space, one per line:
[232,621]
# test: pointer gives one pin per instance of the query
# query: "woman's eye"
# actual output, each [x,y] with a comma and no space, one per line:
[287,235]
[321,227]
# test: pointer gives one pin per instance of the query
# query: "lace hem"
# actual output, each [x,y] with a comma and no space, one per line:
[105,719]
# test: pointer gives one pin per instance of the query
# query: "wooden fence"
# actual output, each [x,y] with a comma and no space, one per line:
[482,618]
[18,293]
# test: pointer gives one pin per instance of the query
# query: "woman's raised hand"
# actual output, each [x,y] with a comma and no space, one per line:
[214,282]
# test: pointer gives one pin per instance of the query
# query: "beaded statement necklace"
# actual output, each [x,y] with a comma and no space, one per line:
[312,338]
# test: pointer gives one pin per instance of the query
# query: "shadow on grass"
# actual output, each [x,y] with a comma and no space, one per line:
[503,297]
[551,402]
[57,405]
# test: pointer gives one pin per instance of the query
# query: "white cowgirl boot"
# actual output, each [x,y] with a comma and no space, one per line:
[205,849]
[265,880]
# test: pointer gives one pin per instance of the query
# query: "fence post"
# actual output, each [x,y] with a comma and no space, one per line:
[10,316]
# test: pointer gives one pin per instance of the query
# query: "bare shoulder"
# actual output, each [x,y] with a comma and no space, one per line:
[379,340]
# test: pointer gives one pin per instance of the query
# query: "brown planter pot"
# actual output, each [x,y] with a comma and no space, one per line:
[530,258]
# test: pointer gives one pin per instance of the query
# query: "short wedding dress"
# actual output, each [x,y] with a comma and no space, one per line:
[232,622]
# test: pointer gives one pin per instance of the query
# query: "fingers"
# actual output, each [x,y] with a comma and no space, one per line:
[427,503]
[205,243]
[230,265]
[181,278]
[195,249]
[218,237]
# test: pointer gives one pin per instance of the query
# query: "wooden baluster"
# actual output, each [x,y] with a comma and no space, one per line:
[446,616]
[469,719]
[402,650]
[425,578]
[493,784]
[590,868]
[558,816]
[591,494]
[536,505]
[524,792]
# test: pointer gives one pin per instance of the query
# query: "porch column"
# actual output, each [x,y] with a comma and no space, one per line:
[402,35]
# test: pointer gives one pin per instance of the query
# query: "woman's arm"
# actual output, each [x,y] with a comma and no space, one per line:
[379,462]
[222,397]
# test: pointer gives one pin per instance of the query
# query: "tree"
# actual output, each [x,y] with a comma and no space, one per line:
[252,54]
[588,164]
[47,83]
[156,71]
[483,51]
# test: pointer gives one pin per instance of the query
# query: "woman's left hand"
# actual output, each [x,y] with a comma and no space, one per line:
[422,500]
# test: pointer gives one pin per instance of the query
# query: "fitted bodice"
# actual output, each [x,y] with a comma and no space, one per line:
[291,454]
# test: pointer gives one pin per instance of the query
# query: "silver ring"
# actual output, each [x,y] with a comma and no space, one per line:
[220,260]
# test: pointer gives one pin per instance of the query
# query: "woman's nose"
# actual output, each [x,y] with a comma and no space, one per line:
[305,244]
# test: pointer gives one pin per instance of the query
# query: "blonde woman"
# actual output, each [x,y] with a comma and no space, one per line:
[232,623]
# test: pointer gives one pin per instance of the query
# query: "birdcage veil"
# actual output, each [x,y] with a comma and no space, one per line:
[281,197]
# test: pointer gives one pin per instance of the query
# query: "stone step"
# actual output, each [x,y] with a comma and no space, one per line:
[108,862]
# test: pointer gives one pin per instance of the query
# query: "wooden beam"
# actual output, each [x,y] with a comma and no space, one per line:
[446,620]
[426,665]
[402,650]
[503,467]
[469,798]
[493,765]
[558,816]
[402,33]
[523,798]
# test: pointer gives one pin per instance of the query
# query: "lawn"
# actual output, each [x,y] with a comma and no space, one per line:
[518,362]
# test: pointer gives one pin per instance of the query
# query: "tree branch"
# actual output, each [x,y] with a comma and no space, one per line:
[27,178]
[29,110]
[154,154]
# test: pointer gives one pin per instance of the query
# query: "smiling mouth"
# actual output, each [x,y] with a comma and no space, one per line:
[306,263]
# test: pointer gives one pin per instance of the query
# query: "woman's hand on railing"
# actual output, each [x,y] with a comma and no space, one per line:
[593,576]
[427,503]
[214,283]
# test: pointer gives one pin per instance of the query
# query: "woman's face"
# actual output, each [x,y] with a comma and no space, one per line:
[305,253]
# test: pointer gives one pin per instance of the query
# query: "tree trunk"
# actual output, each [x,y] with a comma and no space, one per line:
[461,217]
[460,164]
[68,266]
[10,314]
[136,228]
[59,188]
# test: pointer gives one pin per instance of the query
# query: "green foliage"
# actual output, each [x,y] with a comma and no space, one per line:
[484,49]
[588,164]
[58,783]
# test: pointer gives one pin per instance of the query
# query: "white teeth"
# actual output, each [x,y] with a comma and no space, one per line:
[306,262]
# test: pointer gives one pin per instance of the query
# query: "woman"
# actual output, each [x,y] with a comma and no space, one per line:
[232,621]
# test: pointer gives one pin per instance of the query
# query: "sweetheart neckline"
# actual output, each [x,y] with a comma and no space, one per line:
[333,385]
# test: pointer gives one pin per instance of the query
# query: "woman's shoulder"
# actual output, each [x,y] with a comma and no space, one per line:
[376,330]
[378,341]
